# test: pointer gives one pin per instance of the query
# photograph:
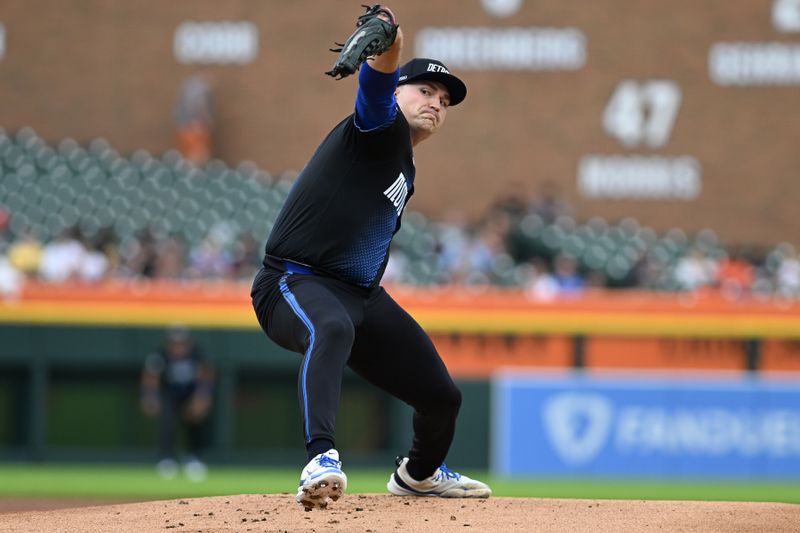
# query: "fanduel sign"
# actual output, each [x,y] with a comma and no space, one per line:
[640,427]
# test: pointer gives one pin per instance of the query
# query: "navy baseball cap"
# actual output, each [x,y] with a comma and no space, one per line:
[421,68]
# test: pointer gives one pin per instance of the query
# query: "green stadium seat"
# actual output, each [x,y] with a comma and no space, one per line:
[50,203]
[46,158]
[24,135]
[10,181]
[68,146]
[89,225]
[70,215]
[19,223]
[98,146]
[14,202]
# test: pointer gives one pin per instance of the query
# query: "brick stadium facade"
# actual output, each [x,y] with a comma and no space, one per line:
[91,68]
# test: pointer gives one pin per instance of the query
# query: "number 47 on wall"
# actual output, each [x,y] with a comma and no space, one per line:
[642,113]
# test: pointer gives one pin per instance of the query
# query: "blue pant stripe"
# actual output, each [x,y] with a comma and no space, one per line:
[292,301]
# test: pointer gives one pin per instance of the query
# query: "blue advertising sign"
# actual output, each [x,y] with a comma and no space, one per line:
[638,426]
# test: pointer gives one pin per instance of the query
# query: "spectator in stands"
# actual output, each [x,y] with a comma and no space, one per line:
[139,255]
[452,238]
[10,279]
[106,243]
[787,277]
[245,257]
[549,205]
[5,234]
[647,271]
[169,260]
[735,275]
[396,267]
[512,200]
[210,259]
[25,255]
[95,265]
[194,118]
[695,270]
[62,257]
[178,387]
[537,280]
[567,278]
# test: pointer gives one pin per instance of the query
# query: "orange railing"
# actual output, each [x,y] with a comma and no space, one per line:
[477,331]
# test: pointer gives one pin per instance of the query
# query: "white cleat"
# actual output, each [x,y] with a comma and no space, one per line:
[444,483]
[321,481]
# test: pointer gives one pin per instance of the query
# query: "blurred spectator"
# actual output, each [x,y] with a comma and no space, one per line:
[95,264]
[178,388]
[5,235]
[565,273]
[548,204]
[396,267]
[452,243]
[62,257]
[10,279]
[169,260]
[470,257]
[138,256]
[512,200]
[735,275]
[246,257]
[480,254]
[650,272]
[194,118]
[539,283]
[209,259]
[787,276]
[25,255]
[695,270]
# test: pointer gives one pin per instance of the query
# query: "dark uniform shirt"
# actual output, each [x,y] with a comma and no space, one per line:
[346,204]
[177,375]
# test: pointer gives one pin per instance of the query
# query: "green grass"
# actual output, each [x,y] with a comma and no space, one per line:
[142,483]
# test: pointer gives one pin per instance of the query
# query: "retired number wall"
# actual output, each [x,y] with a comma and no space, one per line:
[678,113]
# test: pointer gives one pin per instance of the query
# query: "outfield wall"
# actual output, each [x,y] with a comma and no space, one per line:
[70,359]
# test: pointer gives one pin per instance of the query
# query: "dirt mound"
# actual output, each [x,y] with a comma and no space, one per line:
[372,513]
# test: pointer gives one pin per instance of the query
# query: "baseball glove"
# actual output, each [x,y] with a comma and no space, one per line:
[373,36]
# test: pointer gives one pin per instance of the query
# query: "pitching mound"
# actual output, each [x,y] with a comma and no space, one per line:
[367,513]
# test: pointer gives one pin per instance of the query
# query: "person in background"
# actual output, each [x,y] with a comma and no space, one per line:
[25,255]
[178,387]
[62,257]
[567,277]
[319,293]
[548,204]
[5,230]
[194,118]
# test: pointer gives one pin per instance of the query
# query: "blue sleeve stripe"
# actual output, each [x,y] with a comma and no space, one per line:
[375,102]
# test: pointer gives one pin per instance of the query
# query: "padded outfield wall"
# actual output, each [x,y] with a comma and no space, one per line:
[70,358]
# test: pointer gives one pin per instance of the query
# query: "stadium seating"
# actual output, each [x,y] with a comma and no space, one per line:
[48,188]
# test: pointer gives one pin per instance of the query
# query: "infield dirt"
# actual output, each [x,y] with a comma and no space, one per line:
[372,513]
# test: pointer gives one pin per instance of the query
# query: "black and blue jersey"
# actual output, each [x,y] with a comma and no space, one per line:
[336,225]
[347,203]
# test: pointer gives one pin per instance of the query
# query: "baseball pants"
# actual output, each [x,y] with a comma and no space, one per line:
[172,420]
[333,324]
